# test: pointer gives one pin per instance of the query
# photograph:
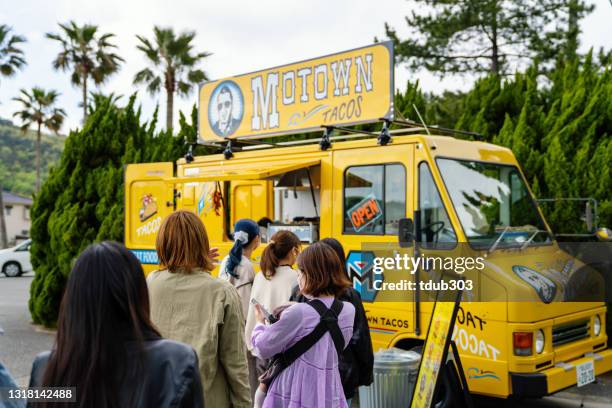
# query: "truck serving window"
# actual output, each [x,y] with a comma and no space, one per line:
[493,204]
[374,199]
[436,228]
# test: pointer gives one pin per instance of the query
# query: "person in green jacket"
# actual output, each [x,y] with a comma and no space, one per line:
[189,305]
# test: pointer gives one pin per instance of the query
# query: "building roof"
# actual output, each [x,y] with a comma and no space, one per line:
[10,198]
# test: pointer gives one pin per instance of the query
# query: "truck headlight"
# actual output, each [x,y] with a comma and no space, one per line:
[539,341]
[596,325]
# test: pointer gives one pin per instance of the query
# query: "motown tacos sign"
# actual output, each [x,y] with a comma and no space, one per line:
[341,89]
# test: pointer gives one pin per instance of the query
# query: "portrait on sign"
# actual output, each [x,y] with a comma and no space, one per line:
[225,108]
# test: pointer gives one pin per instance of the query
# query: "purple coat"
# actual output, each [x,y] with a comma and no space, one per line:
[313,380]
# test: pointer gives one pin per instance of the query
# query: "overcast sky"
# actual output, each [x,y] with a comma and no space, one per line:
[243,35]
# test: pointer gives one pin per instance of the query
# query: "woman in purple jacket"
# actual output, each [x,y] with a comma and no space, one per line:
[313,380]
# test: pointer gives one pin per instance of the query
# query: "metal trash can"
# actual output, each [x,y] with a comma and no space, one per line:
[395,373]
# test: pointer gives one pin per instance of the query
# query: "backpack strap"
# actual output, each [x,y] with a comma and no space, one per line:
[328,322]
[330,318]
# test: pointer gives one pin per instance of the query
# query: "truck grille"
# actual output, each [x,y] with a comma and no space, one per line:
[570,332]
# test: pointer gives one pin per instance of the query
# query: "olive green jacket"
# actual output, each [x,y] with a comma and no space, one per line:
[205,312]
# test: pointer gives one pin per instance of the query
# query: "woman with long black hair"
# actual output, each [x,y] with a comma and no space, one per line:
[106,346]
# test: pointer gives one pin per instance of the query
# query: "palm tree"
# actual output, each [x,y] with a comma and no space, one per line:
[11,59]
[87,54]
[39,109]
[11,56]
[174,61]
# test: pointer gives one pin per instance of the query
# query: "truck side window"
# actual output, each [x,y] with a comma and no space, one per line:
[374,199]
[436,227]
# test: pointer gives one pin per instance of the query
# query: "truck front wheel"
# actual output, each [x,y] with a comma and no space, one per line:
[448,394]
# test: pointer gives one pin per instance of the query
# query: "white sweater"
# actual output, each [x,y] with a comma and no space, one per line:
[270,293]
[244,282]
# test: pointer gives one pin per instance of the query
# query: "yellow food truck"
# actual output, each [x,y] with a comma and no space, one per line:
[524,327]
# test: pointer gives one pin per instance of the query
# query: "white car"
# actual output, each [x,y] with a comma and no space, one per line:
[16,260]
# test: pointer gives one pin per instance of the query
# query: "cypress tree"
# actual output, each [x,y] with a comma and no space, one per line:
[83,199]
[504,137]
[528,131]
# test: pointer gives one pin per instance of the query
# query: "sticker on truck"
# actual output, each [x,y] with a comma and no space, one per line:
[365,212]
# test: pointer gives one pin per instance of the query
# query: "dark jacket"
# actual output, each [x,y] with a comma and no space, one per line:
[6,381]
[171,377]
[357,362]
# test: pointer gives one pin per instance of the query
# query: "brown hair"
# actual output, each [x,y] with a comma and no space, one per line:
[322,271]
[277,249]
[182,242]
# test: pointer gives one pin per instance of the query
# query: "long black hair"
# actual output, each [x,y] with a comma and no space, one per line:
[105,307]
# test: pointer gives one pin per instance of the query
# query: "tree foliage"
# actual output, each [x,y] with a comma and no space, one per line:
[487,36]
[559,127]
[174,66]
[11,55]
[38,109]
[83,199]
[87,54]
[18,153]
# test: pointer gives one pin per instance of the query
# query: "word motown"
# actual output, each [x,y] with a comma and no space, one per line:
[345,79]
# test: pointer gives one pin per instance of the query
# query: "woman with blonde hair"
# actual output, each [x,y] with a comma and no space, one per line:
[190,305]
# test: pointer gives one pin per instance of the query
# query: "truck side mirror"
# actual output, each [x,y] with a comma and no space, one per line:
[405,234]
[604,234]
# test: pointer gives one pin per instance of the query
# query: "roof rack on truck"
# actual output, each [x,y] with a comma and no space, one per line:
[404,127]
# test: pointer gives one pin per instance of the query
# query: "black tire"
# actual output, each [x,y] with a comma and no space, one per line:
[448,381]
[12,269]
[449,384]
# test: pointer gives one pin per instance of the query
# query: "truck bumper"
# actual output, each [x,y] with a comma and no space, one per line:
[551,380]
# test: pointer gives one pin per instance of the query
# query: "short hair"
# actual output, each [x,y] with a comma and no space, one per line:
[182,243]
[322,271]
[225,89]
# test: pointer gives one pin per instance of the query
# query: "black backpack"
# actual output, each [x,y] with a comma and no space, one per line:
[328,323]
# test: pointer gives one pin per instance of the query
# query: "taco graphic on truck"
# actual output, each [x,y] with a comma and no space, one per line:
[149,207]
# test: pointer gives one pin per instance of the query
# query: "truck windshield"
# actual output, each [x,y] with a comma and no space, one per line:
[493,204]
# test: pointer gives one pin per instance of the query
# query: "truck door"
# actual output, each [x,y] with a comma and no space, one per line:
[251,199]
[373,190]
[148,200]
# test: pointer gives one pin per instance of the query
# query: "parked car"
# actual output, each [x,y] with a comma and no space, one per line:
[16,260]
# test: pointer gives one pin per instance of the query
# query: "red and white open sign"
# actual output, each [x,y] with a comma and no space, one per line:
[365,212]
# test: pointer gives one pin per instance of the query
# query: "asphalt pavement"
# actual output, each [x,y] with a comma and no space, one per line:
[22,341]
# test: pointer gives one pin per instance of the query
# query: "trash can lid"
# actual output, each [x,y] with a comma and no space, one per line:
[397,358]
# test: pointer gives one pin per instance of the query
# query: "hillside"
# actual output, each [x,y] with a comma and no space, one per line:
[18,157]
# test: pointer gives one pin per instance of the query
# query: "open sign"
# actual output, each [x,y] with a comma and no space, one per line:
[365,212]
